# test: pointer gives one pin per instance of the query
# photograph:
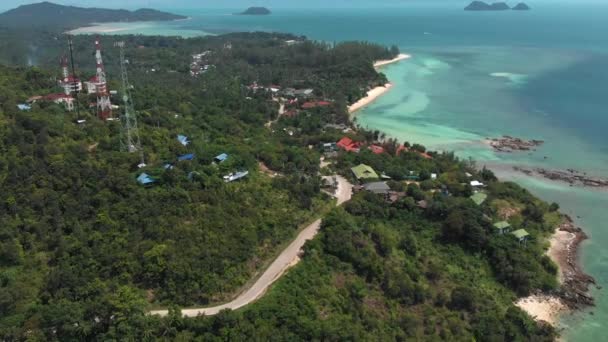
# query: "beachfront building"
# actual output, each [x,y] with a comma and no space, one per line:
[502,227]
[376,149]
[522,235]
[364,173]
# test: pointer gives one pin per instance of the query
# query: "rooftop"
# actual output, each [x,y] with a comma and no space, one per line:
[479,198]
[377,187]
[521,234]
[363,171]
[502,225]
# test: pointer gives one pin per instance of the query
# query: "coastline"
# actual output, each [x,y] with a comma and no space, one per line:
[572,293]
[400,57]
[375,93]
[103,28]
[372,96]
[574,283]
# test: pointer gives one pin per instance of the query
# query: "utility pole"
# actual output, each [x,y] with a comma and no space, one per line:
[129,133]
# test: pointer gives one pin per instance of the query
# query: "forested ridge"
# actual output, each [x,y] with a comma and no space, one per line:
[86,251]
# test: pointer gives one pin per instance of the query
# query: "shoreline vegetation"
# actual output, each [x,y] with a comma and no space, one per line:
[377,92]
[564,243]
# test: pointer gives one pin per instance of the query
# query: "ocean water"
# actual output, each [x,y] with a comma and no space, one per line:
[541,74]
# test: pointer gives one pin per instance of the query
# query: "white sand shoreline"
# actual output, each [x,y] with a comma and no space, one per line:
[375,93]
[372,96]
[400,57]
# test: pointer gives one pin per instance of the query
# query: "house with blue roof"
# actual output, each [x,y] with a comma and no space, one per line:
[183,140]
[221,158]
[189,156]
[145,179]
[23,106]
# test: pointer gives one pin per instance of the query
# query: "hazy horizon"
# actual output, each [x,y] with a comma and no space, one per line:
[181,4]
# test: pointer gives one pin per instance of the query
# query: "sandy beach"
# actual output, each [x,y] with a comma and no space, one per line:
[372,95]
[98,29]
[573,281]
[543,307]
[400,57]
[375,93]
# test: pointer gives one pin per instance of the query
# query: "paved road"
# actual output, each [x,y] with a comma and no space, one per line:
[287,258]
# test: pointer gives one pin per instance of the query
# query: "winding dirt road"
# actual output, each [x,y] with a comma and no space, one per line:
[288,258]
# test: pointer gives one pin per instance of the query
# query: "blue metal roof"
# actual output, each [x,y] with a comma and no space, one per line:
[188,156]
[183,139]
[222,157]
[145,179]
[23,106]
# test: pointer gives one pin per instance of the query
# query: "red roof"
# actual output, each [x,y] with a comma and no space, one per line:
[291,113]
[402,148]
[348,144]
[310,105]
[377,149]
[71,79]
[58,96]
[422,154]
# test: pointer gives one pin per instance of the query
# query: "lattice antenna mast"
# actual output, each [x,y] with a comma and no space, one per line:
[104,106]
[129,131]
[71,47]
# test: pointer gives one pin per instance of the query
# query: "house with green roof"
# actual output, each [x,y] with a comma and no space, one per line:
[364,173]
[522,235]
[479,198]
[502,227]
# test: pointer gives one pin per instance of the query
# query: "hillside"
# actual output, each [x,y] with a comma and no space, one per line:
[50,15]
[86,251]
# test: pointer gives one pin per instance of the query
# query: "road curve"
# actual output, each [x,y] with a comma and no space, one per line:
[286,259]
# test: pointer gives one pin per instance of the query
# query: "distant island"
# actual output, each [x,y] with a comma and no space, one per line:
[483,6]
[256,11]
[521,7]
[50,15]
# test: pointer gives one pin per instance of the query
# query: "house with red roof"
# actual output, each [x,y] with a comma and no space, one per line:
[349,145]
[315,104]
[402,148]
[376,149]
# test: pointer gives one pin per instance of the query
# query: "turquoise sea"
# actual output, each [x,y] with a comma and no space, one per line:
[541,74]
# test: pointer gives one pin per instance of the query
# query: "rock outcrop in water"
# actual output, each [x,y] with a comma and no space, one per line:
[483,6]
[521,7]
[511,144]
[570,176]
[256,11]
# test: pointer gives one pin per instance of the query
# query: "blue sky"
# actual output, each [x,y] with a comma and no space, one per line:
[167,4]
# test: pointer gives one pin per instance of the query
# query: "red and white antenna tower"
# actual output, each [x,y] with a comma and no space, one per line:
[104,106]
